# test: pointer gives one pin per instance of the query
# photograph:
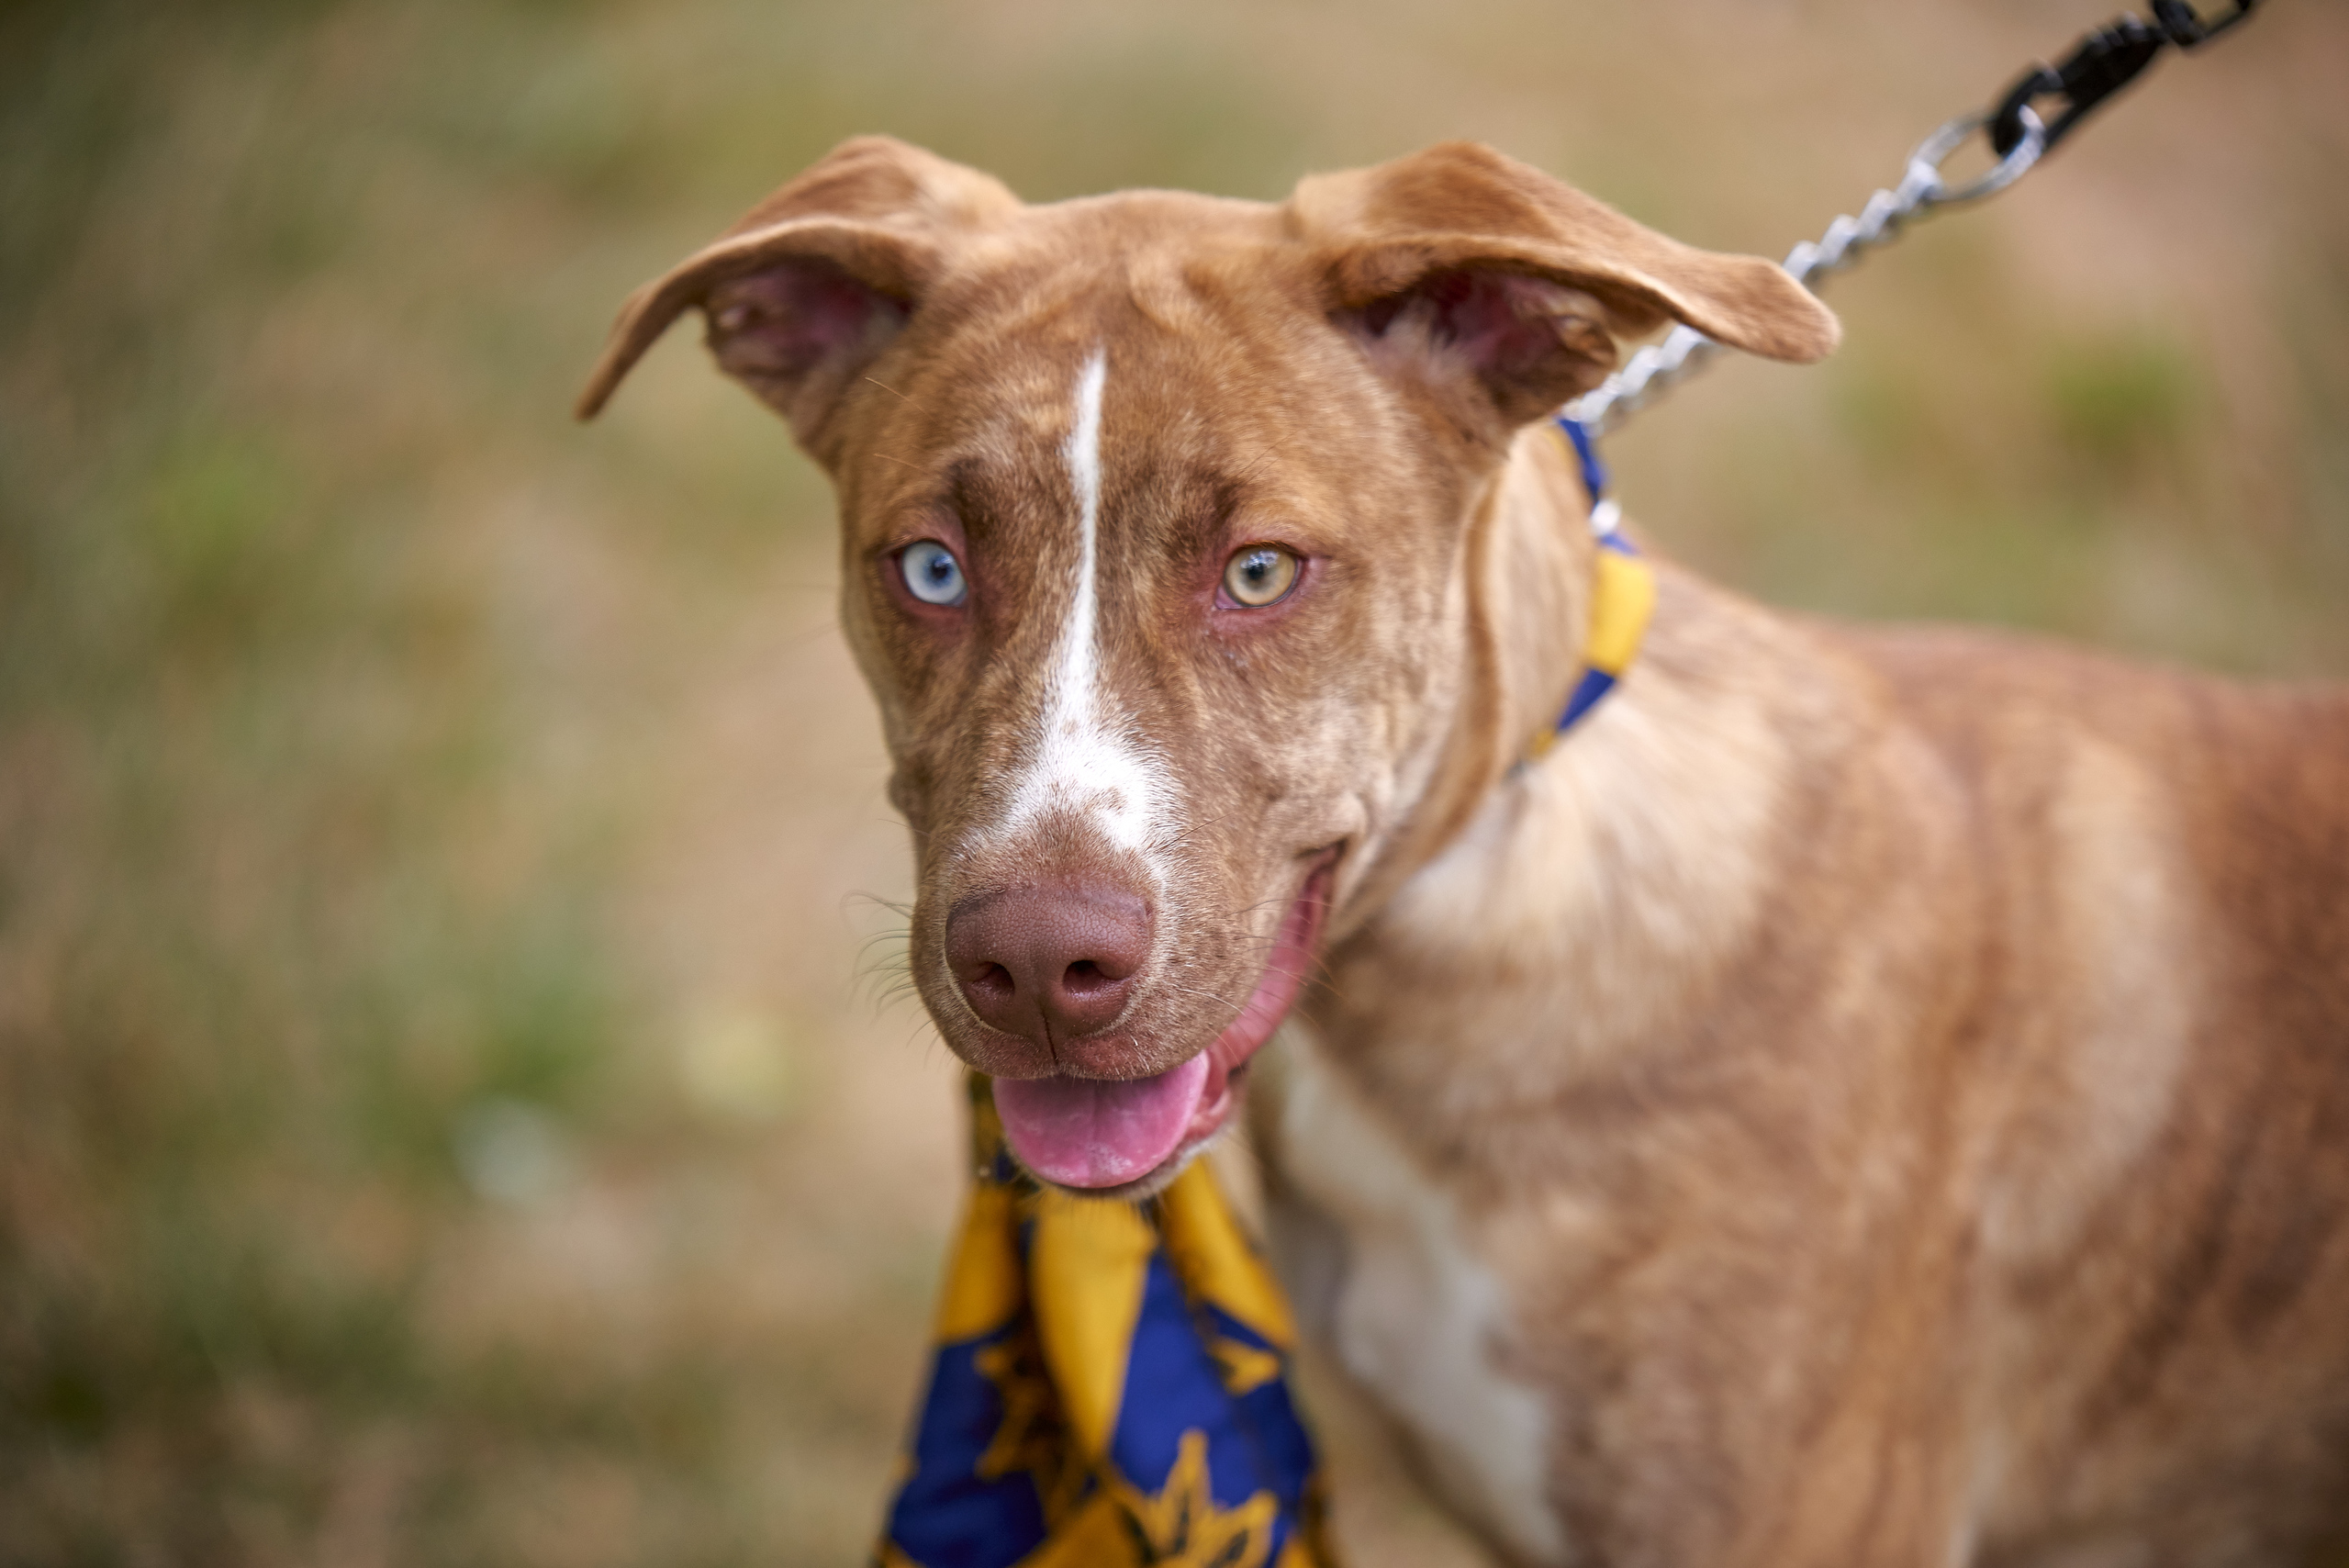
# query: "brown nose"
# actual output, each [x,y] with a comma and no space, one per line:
[1051,962]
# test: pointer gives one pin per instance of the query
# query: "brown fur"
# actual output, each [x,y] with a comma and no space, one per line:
[1897,1080]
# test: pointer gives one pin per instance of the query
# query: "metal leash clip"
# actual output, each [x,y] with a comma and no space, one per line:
[2015,160]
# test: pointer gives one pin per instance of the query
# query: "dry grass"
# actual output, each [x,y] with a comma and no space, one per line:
[444,1115]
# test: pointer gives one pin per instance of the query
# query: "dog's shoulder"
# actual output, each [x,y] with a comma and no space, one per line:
[2239,788]
[2000,700]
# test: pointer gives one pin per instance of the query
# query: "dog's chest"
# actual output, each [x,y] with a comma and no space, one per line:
[1413,1314]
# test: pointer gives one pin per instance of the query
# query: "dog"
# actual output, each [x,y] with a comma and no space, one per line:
[1864,1097]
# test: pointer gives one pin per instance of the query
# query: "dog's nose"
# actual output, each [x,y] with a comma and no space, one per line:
[1050,962]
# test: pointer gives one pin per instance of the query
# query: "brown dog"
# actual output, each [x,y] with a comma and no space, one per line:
[1863,1098]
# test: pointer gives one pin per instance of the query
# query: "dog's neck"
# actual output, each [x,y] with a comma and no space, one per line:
[1526,581]
[1562,916]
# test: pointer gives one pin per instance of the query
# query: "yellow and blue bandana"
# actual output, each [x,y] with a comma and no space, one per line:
[1110,1388]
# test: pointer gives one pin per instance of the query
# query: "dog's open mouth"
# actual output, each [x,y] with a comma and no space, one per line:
[1095,1133]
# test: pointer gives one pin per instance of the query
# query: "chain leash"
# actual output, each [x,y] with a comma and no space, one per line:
[2101,64]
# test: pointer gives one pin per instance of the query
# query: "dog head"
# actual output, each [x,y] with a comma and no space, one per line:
[1158,514]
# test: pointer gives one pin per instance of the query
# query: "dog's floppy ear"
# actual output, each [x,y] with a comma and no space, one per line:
[809,287]
[1469,260]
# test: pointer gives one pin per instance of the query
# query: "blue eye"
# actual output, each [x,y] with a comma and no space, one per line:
[933,573]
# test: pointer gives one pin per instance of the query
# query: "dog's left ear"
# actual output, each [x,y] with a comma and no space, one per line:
[1464,261]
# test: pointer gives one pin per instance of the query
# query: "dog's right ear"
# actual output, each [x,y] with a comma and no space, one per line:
[1485,277]
[812,284]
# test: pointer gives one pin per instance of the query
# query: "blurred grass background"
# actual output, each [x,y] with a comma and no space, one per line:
[441,1120]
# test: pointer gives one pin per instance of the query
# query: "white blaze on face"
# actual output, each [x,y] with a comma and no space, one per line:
[1087,762]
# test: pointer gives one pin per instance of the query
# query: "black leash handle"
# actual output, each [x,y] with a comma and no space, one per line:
[2102,64]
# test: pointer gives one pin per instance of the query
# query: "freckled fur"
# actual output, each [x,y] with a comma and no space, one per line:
[1895,1084]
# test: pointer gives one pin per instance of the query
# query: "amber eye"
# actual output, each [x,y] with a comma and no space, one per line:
[1259,575]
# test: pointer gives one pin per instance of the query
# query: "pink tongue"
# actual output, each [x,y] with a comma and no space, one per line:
[1083,1132]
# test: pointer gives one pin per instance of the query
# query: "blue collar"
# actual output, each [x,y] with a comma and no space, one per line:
[1623,595]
